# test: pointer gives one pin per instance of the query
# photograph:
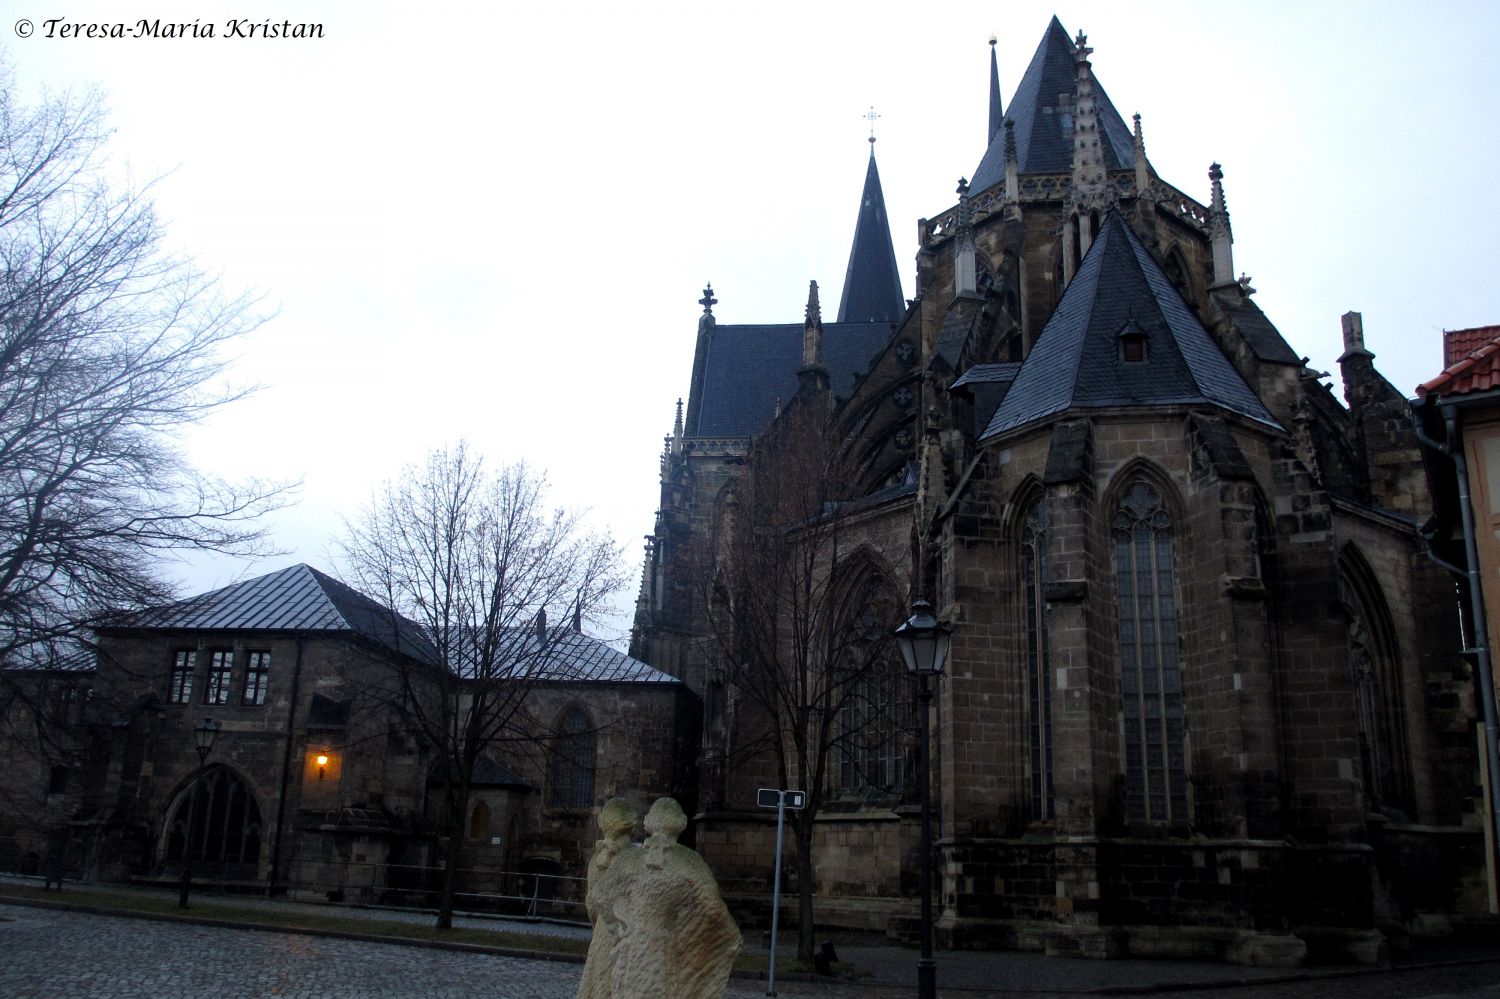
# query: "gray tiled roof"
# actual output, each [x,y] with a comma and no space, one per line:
[1043,129]
[1076,362]
[988,373]
[1265,340]
[748,368]
[572,657]
[872,283]
[297,598]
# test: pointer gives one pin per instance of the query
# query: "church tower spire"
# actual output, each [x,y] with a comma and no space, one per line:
[997,114]
[872,284]
[1218,229]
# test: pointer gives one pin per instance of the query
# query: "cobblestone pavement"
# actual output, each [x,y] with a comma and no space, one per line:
[54,954]
[51,954]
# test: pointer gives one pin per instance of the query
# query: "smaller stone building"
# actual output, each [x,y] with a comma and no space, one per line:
[315,785]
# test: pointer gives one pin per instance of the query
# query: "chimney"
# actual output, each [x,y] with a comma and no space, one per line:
[1354,335]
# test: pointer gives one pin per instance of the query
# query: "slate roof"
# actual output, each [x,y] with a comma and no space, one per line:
[573,657]
[872,282]
[1264,339]
[487,773]
[302,599]
[748,368]
[1044,124]
[1076,362]
[297,598]
[1475,370]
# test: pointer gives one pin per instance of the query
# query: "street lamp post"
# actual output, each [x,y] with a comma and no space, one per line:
[924,646]
[204,734]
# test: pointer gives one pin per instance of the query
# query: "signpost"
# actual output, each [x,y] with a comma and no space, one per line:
[770,797]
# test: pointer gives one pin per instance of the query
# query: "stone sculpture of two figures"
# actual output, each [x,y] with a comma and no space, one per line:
[661,930]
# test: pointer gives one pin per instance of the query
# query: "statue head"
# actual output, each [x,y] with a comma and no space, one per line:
[616,818]
[666,819]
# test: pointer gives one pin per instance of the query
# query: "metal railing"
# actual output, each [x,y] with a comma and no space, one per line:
[409,886]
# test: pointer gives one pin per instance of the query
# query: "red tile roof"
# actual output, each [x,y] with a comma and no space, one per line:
[1473,363]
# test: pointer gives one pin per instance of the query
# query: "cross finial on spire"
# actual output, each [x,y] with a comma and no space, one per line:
[708,301]
[872,116]
[1081,43]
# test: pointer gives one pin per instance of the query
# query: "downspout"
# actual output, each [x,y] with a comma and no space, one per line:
[286,768]
[1481,643]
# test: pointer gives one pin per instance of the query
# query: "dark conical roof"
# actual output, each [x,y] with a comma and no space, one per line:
[872,284]
[1044,123]
[997,113]
[1078,361]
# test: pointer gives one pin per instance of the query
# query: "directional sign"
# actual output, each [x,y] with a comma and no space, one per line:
[770,797]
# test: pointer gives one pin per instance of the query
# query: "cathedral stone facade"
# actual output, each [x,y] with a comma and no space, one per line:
[1205,694]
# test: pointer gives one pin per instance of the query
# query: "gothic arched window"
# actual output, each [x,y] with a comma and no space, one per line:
[222,821]
[1375,670]
[572,784]
[1038,687]
[479,821]
[1150,674]
[870,689]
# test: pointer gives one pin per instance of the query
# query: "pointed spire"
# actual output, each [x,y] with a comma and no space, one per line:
[1142,178]
[1012,174]
[997,115]
[1218,229]
[677,423]
[872,283]
[1088,156]
[812,330]
[700,356]
[965,262]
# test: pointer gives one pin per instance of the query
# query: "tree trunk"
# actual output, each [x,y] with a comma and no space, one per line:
[804,832]
[451,862]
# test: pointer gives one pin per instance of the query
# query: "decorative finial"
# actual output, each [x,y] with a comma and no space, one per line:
[872,117]
[708,301]
[963,186]
[1081,43]
[677,423]
[1010,140]
[1140,140]
[814,310]
[993,40]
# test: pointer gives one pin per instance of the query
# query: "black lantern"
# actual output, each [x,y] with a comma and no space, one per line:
[923,641]
[204,734]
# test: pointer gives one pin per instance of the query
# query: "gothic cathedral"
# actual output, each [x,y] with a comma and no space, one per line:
[1205,694]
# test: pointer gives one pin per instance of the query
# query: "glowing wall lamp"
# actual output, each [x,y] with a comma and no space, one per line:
[322,760]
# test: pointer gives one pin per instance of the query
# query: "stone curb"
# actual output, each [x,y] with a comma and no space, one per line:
[309,931]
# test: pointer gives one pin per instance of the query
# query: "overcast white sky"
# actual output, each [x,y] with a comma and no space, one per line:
[495,223]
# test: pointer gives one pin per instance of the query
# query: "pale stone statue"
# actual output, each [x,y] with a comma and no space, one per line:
[660,926]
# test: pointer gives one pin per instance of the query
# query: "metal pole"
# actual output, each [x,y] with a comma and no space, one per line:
[776,888]
[187,845]
[926,966]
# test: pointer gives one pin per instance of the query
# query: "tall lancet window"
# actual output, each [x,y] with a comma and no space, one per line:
[1376,676]
[1038,675]
[1150,674]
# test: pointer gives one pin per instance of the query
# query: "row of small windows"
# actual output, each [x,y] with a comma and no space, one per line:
[218,685]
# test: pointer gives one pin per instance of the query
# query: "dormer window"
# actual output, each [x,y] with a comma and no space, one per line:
[1132,341]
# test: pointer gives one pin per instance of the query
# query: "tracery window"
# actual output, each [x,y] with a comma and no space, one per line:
[572,784]
[180,685]
[1038,687]
[220,666]
[1376,680]
[1150,673]
[871,689]
[223,826]
[479,821]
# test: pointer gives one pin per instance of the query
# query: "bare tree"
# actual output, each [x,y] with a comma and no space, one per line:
[109,345]
[477,560]
[799,633]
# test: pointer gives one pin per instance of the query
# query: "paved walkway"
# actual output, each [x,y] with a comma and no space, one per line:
[52,953]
